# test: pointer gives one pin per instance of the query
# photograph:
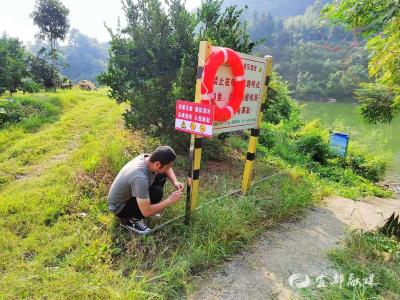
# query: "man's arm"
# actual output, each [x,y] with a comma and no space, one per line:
[149,209]
[171,176]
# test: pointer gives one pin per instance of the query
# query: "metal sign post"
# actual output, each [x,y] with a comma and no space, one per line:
[251,151]
[196,141]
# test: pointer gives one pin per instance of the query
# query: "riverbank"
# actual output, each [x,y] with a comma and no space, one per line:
[345,117]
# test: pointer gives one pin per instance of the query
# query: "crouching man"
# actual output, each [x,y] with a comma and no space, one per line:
[138,189]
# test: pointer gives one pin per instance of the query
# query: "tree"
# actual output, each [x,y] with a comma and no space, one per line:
[153,59]
[223,26]
[51,16]
[379,22]
[13,59]
[263,28]
[42,70]
[145,58]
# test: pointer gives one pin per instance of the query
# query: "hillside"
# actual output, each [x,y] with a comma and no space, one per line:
[278,8]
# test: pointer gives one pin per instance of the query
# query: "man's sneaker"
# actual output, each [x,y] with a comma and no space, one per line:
[137,226]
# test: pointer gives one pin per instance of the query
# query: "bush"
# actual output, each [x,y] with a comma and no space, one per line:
[372,168]
[215,149]
[313,141]
[30,86]
[31,113]
[10,112]
[313,145]
[267,136]
[279,105]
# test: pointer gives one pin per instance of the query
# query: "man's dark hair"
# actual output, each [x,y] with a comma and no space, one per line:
[163,154]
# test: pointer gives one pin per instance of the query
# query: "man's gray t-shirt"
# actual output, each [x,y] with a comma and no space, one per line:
[134,180]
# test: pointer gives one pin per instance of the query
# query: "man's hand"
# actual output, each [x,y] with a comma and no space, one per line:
[178,185]
[176,196]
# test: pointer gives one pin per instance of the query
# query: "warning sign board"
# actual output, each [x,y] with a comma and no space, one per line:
[194,118]
[246,117]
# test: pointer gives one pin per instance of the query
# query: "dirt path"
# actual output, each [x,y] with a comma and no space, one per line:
[292,248]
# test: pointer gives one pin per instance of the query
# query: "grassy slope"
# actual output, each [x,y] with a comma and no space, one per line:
[363,256]
[59,240]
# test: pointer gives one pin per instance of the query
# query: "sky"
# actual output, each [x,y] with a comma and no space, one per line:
[88,16]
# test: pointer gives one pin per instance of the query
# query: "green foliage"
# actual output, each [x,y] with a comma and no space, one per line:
[313,142]
[378,104]
[318,61]
[12,64]
[379,22]
[263,27]
[42,68]
[323,74]
[30,112]
[307,146]
[29,85]
[279,104]
[385,60]
[9,112]
[279,8]
[308,26]
[142,70]
[371,167]
[364,15]
[151,76]
[51,16]
[223,26]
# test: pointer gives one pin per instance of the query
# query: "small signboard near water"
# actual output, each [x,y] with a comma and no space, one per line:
[339,143]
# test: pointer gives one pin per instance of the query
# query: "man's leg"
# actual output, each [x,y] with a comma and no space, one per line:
[156,191]
[132,217]
[131,210]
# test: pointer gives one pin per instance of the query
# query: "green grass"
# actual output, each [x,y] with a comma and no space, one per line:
[361,255]
[25,153]
[30,111]
[58,239]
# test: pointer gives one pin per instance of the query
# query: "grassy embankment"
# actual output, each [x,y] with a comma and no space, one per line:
[60,241]
[368,267]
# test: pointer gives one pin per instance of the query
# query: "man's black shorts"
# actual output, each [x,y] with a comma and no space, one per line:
[156,192]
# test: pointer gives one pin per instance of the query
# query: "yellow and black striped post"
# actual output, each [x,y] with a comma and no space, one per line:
[251,150]
[196,141]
